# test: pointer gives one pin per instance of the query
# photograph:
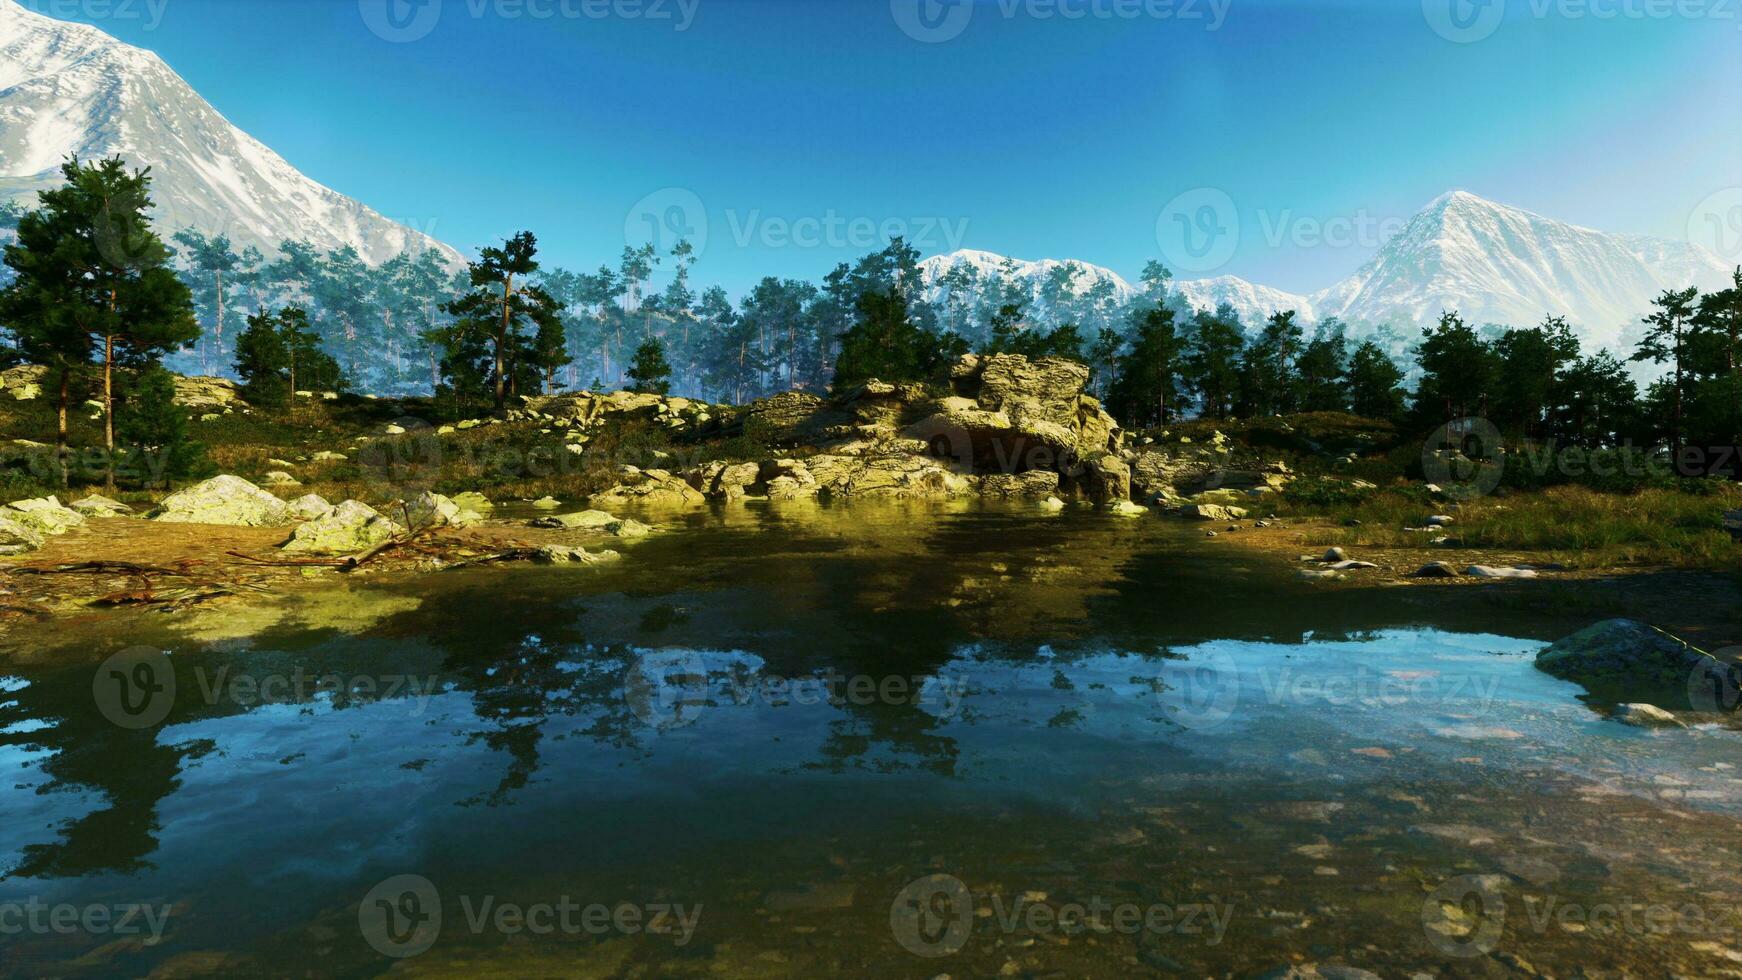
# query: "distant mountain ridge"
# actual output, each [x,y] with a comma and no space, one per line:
[1491,262]
[70,89]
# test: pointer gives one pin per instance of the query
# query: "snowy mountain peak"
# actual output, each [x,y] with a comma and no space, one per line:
[71,90]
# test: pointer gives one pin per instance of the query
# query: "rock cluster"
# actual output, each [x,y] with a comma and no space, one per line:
[1625,661]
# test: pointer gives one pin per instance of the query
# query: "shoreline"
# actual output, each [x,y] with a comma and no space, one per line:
[130,563]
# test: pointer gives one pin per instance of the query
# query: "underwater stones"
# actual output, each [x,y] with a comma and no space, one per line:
[556,554]
[227,500]
[350,528]
[1629,662]
[596,520]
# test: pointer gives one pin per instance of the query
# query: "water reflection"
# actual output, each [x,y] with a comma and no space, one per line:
[781,689]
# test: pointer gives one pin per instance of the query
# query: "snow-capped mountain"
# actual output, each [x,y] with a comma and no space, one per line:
[981,268]
[1499,264]
[1490,262]
[70,89]
[1254,303]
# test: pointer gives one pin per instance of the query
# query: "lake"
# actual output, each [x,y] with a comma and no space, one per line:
[880,741]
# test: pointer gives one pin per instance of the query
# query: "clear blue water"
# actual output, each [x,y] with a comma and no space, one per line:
[782,723]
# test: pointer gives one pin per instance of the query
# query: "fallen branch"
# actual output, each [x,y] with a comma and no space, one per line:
[101,567]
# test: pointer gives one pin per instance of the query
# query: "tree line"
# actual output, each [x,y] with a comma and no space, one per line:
[91,286]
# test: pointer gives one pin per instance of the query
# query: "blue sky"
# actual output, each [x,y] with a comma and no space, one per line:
[1024,132]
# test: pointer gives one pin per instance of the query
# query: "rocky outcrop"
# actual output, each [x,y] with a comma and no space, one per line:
[228,500]
[351,528]
[24,382]
[208,393]
[16,538]
[648,488]
[99,506]
[432,510]
[44,515]
[595,520]
[1624,661]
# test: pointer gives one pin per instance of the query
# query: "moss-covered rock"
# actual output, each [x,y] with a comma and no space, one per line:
[227,500]
[1625,661]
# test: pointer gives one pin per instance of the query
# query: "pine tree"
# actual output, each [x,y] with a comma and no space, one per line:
[498,309]
[1666,340]
[91,276]
[650,373]
[1321,373]
[1147,387]
[154,430]
[1375,383]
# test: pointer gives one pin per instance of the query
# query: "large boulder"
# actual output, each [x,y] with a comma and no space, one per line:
[1106,480]
[430,510]
[17,538]
[899,476]
[1032,485]
[99,506]
[595,520]
[1625,661]
[648,488]
[228,500]
[728,481]
[44,515]
[1212,512]
[208,393]
[350,528]
[310,506]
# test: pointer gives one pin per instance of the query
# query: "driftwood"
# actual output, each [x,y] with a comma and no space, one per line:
[347,563]
[101,568]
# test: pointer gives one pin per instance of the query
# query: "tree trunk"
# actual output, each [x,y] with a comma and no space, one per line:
[218,327]
[502,339]
[109,412]
[60,436]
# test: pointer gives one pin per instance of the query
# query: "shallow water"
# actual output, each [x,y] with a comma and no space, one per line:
[885,742]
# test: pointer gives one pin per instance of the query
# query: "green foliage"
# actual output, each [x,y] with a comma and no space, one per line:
[885,344]
[651,372]
[280,354]
[155,447]
[1147,387]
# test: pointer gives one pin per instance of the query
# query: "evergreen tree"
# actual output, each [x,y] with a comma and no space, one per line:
[1321,373]
[1457,372]
[1666,340]
[1599,402]
[279,354]
[498,309]
[1213,361]
[1375,383]
[650,373]
[154,432]
[884,344]
[1147,387]
[91,276]
[210,259]
[1529,364]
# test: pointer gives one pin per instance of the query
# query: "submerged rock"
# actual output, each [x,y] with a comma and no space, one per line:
[596,520]
[1629,662]
[1212,512]
[227,500]
[556,554]
[350,528]
[1645,716]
